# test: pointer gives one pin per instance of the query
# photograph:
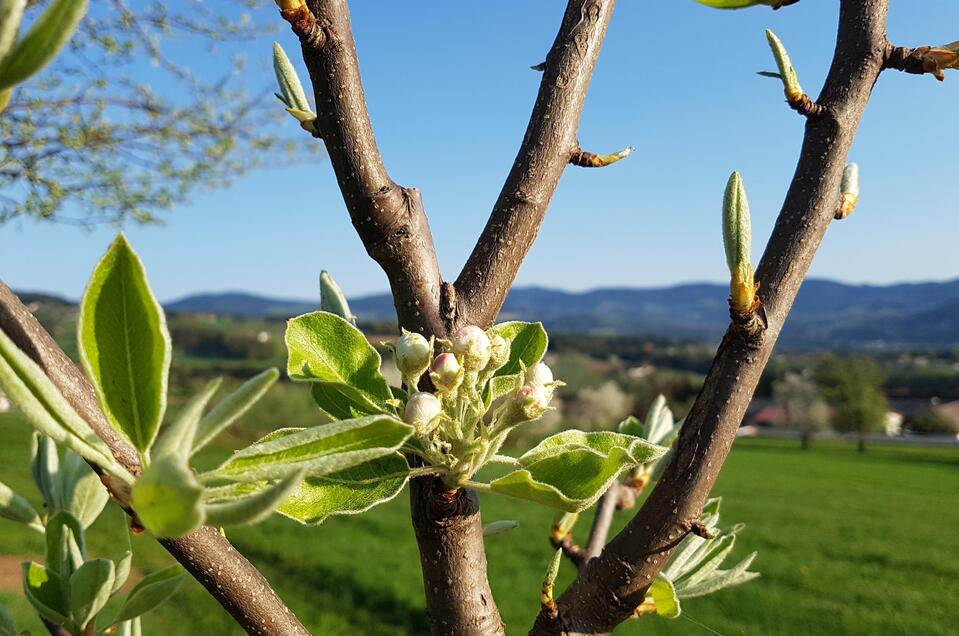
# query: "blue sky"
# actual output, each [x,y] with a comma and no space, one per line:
[450,91]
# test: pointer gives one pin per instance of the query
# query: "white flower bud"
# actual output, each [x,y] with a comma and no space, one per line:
[413,353]
[473,345]
[446,372]
[421,410]
[540,374]
[499,353]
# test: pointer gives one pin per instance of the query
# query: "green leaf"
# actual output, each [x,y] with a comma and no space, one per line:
[317,451]
[83,494]
[45,466]
[527,344]
[177,438]
[332,298]
[125,346]
[289,81]
[66,547]
[570,470]
[16,508]
[253,508]
[122,571]
[49,33]
[720,579]
[232,407]
[90,589]
[150,592]
[11,13]
[7,627]
[663,595]
[44,590]
[347,492]
[343,402]
[325,348]
[632,426]
[130,628]
[41,402]
[167,498]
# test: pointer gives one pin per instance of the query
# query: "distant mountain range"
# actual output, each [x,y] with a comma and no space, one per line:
[826,313]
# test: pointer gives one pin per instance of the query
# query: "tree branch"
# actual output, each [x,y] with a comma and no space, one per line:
[614,584]
[549,144]
[390,219]
[206,554]
[394,229]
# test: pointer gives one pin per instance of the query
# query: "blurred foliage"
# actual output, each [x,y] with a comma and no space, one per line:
[120,127]
[853,385]
[930,422]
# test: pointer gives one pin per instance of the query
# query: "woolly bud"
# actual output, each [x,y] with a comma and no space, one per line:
[540,374]
[446,372]
[421,410]
[413,353]
[849,191]
[473,345]
[533,400]
[499,353]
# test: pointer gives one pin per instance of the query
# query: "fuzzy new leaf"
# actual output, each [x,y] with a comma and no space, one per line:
[125,345]
[150,592]
[167,497]
[317,451]
[289,81]
[570,470]
[326,349]
[48,34]
[232,407]
[178,438]
[663,596]
[41,402]
[44,590]
[332,298]
[90,588]
[82,492]
[11,13]
[253,508]
[16,508]
[786,70]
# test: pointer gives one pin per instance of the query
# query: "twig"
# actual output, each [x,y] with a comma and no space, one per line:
[206,554]
[615,583]
[551,139]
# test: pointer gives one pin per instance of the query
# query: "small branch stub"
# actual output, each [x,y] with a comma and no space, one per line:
[546,593]
[925,59]
[303,23]
[585,159]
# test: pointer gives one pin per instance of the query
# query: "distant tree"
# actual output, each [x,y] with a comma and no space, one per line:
[806,410]
[853,385]
[91,140]
[595,407]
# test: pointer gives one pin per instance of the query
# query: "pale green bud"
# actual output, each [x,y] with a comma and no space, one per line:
[540,374]
[446,372]
[473,345]
[422,409]
[413,353]
[499,353]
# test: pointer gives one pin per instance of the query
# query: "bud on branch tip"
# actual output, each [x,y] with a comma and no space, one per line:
[585,159]
[737,240]
[787,73]
[849,191]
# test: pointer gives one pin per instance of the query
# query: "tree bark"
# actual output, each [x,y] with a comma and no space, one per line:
[206,554]
[614,584]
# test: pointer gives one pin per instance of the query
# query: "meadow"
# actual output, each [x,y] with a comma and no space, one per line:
[848,543]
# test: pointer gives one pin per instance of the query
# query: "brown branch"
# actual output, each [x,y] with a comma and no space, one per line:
[206,554]
[394,229]
[390,219]
[615,583]
[550,141]
[575,554]
[602,522]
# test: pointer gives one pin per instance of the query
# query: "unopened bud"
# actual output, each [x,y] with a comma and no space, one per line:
[540,374]
[533,400]
[446,372]
[499,353]
[849,191]
[737,241]
[421,410]
[499,527]
[473,345]
[786,71]
[413,353]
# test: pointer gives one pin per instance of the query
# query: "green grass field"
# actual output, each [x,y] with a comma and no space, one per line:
[848,543]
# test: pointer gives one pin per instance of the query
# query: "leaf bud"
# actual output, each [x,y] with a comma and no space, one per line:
[413,353]
[446,372]
[737,241]
[422,409]
[849,191]
[473,345]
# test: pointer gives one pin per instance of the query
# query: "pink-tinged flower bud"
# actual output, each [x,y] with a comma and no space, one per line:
[446,372]
[421,410]
[540,374]
[499,353]
[473,345]
[413,353]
